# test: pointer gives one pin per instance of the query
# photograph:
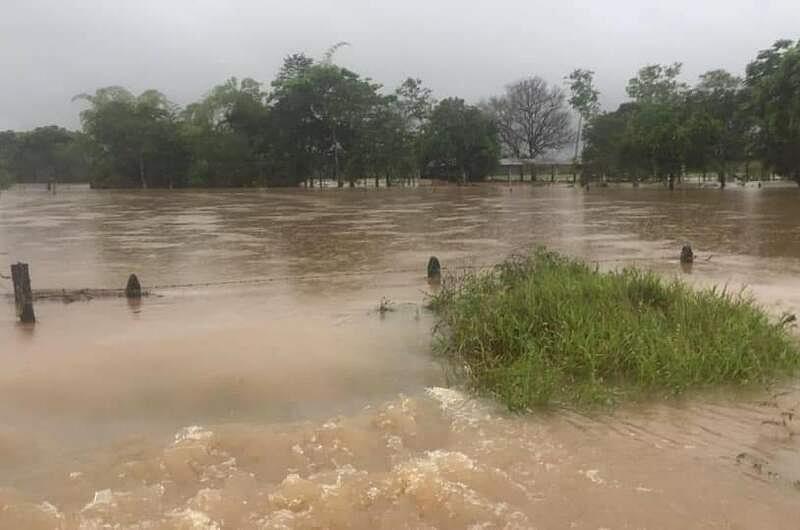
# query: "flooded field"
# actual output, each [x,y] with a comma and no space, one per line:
[260,388]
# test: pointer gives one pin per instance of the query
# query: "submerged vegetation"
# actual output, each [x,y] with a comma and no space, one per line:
[547,329]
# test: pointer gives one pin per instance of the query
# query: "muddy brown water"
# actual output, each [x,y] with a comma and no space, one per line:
[283,399]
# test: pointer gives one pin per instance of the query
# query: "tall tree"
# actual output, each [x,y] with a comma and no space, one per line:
[714,124]
[415,103]
[137,135]
[506,124]
[531,118]
[607,147]
[773,80]
[657,83]
[654,130]
[320,115]
[8,149]
[227,134]
[294,66]
[583,98]
[460,140]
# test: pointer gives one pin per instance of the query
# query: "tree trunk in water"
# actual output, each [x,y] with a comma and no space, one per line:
[578,136]
[671,182]
[722,179]
[377,182]
[339,181]
[388,181]
[577,147]
[141,171]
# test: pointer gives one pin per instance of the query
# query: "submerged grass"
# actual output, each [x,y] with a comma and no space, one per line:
[548,329]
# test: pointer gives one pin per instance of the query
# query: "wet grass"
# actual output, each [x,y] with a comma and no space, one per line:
[547,329]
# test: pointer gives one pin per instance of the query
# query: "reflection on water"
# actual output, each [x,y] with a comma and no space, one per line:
[291,402]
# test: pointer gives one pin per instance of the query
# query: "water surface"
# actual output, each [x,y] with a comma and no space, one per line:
[259,387]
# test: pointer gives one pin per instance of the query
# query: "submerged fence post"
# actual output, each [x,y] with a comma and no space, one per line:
[434,268]
[687,255]
[23,295]
[133,289]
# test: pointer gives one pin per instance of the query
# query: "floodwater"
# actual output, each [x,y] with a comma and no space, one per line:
[259,387]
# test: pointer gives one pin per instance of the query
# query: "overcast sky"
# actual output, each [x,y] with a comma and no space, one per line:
[51,50]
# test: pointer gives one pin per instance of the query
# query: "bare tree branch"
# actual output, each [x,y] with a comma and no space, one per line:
[531,118]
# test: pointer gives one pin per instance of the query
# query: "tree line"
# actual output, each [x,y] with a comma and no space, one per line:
[43,154]
[720,126]
[318,122]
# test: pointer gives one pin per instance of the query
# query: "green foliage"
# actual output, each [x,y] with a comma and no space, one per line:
[715,124]
[773,80]
[6,180]
[225,133]
[43,154]
[671,128]
[609,148]
[656,83]
[137,137]
[414,103]
[548,329]
[294,66]
[317,120]
[721,122]
[320,117]
[583,94]
[460,141]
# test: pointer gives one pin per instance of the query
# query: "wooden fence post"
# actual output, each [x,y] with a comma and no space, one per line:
[133,289]
[434,269]
[687,255]
[23,296]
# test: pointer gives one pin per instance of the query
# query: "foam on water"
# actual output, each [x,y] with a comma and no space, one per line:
[329,475]
[439,460]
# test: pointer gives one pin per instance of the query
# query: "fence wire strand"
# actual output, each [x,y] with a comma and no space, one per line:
[307,277]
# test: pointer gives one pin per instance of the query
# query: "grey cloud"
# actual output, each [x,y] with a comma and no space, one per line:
[51,50]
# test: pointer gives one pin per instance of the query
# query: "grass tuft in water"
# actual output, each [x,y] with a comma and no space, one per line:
[547,329]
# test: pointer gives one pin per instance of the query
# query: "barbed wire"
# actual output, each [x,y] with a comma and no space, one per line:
[305,277]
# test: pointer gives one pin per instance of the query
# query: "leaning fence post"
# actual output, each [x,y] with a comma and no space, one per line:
[434,268]
[23,296]
[133,289]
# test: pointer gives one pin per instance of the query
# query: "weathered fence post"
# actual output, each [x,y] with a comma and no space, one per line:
[434,268]
[23,295]
[133,289]
[687,255]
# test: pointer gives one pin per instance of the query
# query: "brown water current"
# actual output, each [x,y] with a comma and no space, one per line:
[260,388]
